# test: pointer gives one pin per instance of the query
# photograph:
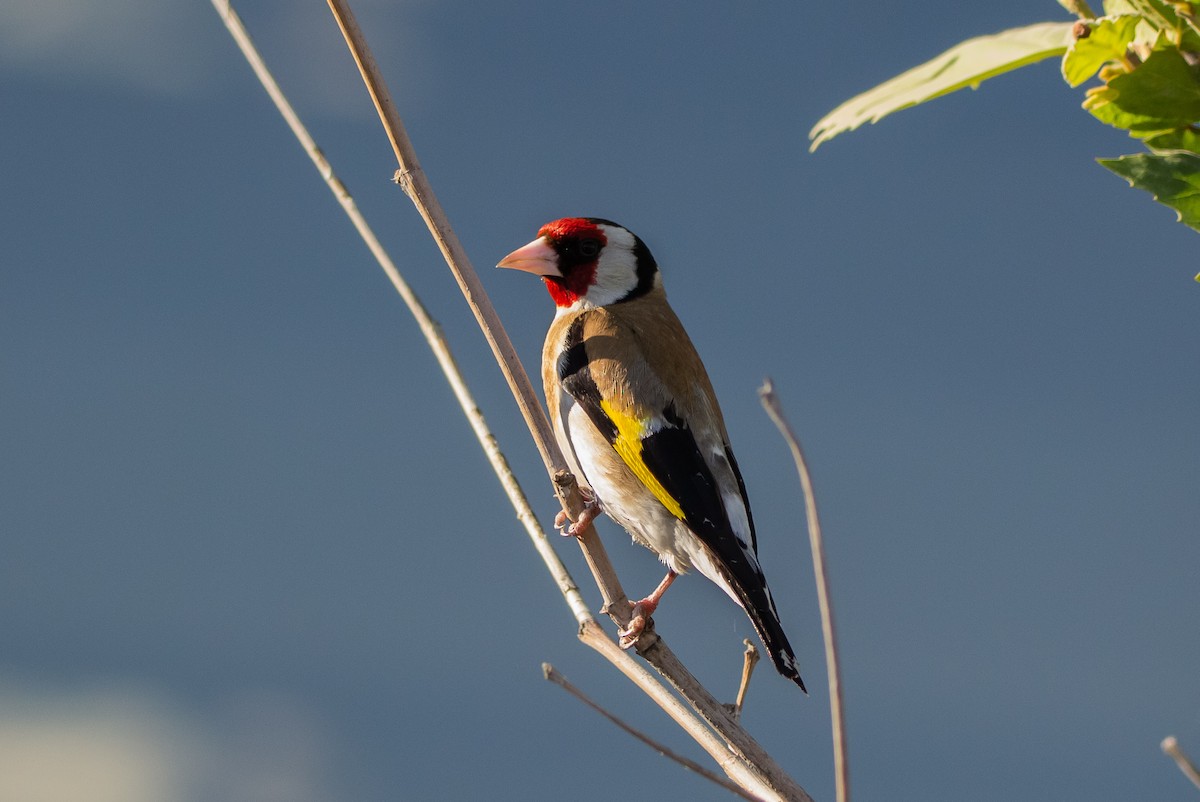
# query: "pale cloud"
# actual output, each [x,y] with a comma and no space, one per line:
[180,46]
[133,744]
[145,44]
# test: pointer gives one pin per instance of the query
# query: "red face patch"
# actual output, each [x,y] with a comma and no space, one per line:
[578,242]
[572,227]
[558,291]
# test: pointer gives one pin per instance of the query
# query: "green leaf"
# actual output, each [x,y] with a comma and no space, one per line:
[966,64]
[1163,86]
[1179,139]
[1100,102]
[1173,178]
[1158,17]
[1155,11]
[1108,40]
[1162,93]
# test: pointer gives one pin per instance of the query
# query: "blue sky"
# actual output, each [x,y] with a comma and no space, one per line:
[252,552]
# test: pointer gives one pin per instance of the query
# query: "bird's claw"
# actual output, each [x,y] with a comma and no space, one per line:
[639,617]
[590,510]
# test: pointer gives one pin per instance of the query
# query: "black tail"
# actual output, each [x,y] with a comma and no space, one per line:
[674,458]
[748,581]
[760,607]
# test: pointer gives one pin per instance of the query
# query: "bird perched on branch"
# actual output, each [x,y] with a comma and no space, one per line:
[636,417]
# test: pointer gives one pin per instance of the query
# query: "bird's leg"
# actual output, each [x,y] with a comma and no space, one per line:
[591,508]
[643,610]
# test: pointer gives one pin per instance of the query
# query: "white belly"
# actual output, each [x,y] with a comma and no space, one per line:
[627,501]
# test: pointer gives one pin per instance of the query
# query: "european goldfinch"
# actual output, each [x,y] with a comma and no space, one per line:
[636,417]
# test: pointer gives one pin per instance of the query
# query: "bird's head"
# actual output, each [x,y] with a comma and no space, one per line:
[586,262]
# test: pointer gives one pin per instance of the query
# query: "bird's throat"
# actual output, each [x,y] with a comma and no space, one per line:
[568,290]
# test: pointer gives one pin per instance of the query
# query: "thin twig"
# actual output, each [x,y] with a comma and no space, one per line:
[414,183]
[437,343]
[594,635]
[760,766]
[744,769]
[552,674]
[429,327]
[1170,745]
[840,766]
[750,660]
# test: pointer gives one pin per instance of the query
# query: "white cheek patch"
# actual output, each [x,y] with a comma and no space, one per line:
[616,274]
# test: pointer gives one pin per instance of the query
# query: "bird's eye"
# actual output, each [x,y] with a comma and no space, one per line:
[589,248]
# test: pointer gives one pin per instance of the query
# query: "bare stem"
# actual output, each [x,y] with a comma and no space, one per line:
[748,663]
[758,772]
[414,183]
[840,766]
[751,777]
[1170,745]
[429,327]
[750,768]
[552,674]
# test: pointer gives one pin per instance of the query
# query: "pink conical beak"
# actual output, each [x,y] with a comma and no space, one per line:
[537,257]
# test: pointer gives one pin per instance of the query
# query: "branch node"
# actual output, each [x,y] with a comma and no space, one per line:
[405,179]
[569,494]
[564,480]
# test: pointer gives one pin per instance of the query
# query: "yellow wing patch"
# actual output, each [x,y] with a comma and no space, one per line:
[629,445]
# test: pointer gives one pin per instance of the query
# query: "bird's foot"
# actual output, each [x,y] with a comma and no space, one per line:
[590,510]
[639,616]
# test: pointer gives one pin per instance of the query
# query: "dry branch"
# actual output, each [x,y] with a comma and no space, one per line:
[412,180]
[1170,746]
[760,767]
[749,661]
[558,679]
[734,750]
[841,767]
[429,327]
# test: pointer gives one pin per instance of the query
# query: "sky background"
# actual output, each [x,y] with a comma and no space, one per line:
[251,551]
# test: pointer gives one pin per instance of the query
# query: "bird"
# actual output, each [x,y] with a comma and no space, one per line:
[634,412]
